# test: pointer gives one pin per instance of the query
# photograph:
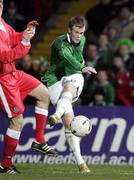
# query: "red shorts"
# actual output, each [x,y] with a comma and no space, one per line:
[14,87]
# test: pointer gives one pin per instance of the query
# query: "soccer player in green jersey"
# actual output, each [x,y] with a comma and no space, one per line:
[65,80]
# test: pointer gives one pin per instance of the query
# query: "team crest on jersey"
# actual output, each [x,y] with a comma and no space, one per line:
[16,109]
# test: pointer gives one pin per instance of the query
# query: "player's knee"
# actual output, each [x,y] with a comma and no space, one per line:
[44,95]
[67,95]
[16,123]
[66,100]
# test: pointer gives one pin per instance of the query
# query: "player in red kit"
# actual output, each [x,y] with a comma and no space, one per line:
[15,85]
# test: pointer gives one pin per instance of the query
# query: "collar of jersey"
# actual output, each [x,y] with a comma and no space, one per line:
[69,40]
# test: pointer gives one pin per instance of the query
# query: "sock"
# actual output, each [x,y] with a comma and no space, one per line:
[10,143]
[74,143]
[41,118]
[64,104]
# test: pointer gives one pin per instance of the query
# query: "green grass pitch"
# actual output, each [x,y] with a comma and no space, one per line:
[70,172]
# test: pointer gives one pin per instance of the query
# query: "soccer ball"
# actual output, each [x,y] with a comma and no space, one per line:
[81,126]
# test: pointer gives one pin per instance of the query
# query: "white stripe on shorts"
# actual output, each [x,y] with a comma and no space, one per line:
[5,103]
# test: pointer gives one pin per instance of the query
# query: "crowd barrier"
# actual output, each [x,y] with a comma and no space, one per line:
[110,142]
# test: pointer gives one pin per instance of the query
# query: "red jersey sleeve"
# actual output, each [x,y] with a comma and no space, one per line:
[12,47]
[12,54]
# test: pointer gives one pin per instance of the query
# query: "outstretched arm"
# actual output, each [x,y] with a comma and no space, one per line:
[20,43]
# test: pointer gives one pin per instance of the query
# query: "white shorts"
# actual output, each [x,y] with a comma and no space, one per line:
[56,89]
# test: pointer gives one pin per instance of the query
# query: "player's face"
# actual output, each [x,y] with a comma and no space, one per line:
[1,7]
[76,33]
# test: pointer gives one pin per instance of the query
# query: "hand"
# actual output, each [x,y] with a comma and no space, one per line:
[32,24]
[29,32]
[89,70]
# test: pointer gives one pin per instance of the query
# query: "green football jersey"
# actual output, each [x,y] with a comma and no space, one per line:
[66,59]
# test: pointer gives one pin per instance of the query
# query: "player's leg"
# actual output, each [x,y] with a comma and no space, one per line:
[11,141]
[32,87]
[71,89]
[11,104]
[74,142]
[64,102]
[42,97]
